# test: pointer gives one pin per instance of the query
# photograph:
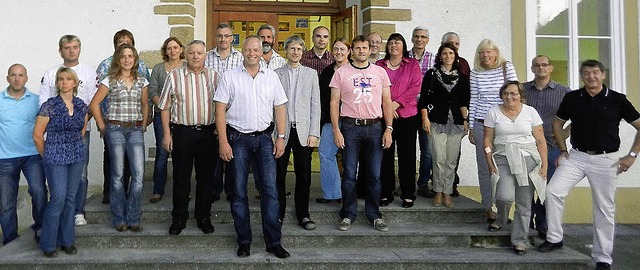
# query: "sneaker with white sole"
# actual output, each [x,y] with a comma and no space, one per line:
[80,221]
[380,225]
[345,224]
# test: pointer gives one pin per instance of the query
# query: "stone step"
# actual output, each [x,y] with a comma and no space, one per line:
[465,211]
[96,258]
[361,235]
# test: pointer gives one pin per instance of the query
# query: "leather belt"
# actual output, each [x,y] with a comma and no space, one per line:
[360,122]
[595,152]
[269,130]
[126,124]
[195,127]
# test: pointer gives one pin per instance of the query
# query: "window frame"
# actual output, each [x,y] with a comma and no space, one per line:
[616,71]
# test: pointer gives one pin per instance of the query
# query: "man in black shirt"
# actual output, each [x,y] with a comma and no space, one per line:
[595,112]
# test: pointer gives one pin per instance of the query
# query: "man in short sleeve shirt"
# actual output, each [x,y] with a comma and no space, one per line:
[69,47]
[361,101]
[248,100]
[595,112]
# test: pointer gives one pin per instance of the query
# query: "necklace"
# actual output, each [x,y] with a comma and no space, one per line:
[392,65]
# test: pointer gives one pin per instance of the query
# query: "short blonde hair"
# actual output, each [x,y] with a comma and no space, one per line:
[487,44]
[74,76]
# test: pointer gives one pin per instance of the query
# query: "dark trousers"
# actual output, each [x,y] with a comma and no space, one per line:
[302,168]
[193,146]
[405,131]
[106,167]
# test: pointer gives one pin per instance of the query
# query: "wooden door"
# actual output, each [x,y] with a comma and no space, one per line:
[345,23]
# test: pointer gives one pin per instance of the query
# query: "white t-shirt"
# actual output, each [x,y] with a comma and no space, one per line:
[519,130]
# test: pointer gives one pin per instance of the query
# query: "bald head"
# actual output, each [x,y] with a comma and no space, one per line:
[17,77]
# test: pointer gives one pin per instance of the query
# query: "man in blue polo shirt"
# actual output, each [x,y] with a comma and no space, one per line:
[18,110]
[595,112]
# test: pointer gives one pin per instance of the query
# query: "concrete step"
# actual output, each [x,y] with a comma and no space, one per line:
[96,258]
[465,211]
[361,235]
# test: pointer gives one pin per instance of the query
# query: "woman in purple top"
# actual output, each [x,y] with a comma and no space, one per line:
[406,78]
[64,119]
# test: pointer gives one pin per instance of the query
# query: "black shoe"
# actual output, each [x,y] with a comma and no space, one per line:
[323,200]
[215,198]
[244,251]
[51,254]
[278,251]
[176,227]
[603,266]
[205,225]
[455,192]
[548,246]
[105,199]
[71,250]
[407,204]
[542,233]
[424,191]
[384,202]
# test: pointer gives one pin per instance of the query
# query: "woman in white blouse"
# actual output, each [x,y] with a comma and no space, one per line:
[516,151]
[490,72]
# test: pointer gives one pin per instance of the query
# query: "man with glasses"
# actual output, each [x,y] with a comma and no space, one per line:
[595,112]
[221,58]
[426,60]
[376,40]
[545,96]
[318,57]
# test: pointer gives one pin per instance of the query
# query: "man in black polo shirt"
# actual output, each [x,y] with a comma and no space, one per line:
[595,112]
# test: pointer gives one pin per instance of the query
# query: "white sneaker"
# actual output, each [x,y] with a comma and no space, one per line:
[345,224]
[80,221]
[380,225]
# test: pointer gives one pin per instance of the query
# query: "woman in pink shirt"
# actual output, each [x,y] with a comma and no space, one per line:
[406,79]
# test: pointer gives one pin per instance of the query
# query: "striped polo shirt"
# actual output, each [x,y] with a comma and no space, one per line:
[189,96]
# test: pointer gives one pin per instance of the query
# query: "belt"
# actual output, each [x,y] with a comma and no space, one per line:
[595,152]
[480,120]
[269,130]
[360,122]
[125,124]
[195,127]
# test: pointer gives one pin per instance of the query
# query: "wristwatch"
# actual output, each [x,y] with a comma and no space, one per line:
[281,136]
[633,155]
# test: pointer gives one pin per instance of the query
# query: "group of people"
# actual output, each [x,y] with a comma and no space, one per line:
[225,112]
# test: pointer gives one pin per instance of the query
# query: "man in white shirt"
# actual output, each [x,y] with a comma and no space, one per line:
[69,47]
[247,99]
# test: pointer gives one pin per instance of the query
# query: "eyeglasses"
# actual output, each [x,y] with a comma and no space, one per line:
[542,65]
[223,36]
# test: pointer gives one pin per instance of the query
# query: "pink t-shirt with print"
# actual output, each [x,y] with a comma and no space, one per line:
[360,90]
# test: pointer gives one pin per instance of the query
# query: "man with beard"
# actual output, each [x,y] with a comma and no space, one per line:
[270,58]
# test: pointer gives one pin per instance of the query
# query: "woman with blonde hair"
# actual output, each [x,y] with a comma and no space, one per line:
[64,119]
[489,73]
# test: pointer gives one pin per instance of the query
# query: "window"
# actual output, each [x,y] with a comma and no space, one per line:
[571,31]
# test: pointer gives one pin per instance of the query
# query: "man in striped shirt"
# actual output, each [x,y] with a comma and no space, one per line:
[318,57]
[188,124]
[222,58]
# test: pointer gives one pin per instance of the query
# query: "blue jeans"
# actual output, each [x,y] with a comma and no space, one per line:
[120,139]
[538,211]
[58,222]
[259,150]
[81,195]
[329,173]
[31,167]
[160,162]
[425,158]
[357,139]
